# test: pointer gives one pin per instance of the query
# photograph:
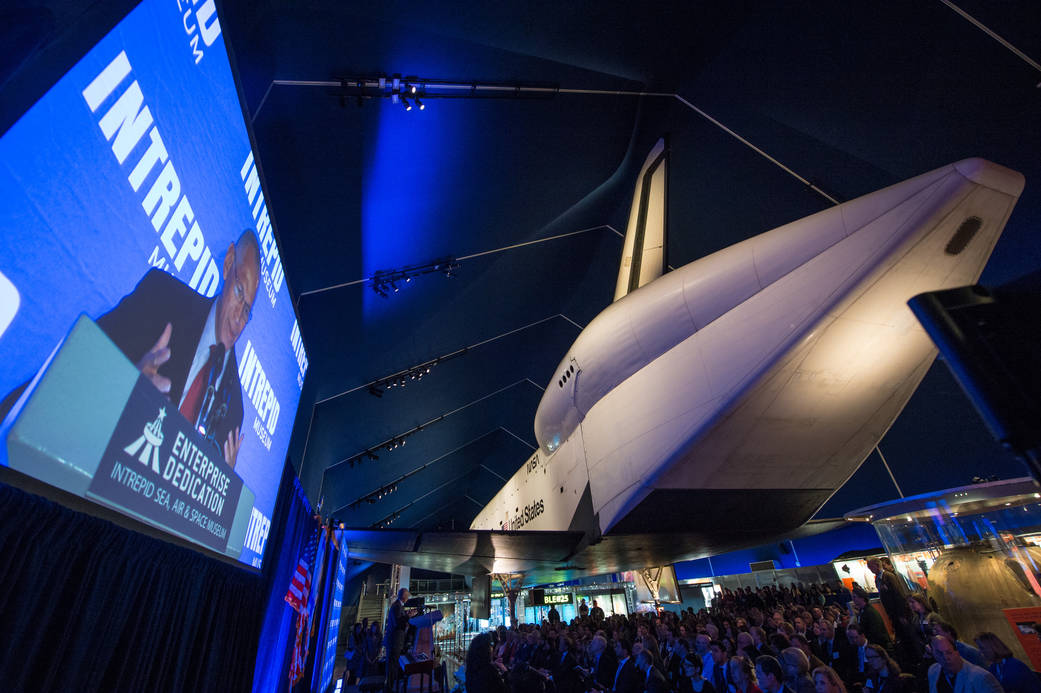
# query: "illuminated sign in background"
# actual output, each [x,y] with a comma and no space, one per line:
[538,597]
[139,158]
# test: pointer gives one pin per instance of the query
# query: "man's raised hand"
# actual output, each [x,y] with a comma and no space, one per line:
[156,357]
[231,446]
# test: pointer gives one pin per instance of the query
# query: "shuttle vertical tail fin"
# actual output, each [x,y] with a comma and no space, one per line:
[643,253]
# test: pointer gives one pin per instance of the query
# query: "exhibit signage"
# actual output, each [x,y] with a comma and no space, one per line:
[538,597]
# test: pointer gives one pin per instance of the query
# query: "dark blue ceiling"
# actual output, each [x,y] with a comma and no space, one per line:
[853,96]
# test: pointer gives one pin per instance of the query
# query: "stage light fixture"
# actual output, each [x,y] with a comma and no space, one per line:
[404,101]
[420,104]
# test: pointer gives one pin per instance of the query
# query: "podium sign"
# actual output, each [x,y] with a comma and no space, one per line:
[92,425]
[162,469]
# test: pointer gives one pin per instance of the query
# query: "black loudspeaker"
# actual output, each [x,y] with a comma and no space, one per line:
[989,339]
[481,597]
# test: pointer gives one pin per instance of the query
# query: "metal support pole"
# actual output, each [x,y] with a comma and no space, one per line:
[886,465]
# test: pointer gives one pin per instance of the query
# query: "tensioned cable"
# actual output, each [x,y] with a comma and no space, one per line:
[363,280]
[588,92]
[422,467]
[756,149]
[445,357]
[432,421]
[538,240]
[994,35]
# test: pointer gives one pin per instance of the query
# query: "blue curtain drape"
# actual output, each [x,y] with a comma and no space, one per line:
[88,605]
[322,614]
[293,525]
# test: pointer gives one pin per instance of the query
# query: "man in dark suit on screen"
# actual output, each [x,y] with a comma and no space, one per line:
[184,343]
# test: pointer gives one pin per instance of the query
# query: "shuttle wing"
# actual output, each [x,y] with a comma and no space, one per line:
[545,557]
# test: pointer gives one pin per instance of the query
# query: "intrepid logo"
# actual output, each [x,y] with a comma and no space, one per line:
[149,442]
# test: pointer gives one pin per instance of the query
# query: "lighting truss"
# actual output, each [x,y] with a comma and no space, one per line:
[387,521]
[387,282]
[401,89]
[377,495]
[411,374]
[389,444]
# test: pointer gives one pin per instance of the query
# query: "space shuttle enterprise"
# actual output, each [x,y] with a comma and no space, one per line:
[743,388]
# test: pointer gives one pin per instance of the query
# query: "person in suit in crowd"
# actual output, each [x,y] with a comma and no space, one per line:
[603,662]
[770,675]
[804,644]
[564,675]
[883,673]
[870,621]
[1013,675]
[952,674]
[653,680]
[626,677]
[796,670]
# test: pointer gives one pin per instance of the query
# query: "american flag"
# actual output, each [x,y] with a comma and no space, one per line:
[298,597]
[299,665]
[300,585]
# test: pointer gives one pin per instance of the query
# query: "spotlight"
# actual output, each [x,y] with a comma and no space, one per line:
[404,101]
[410,88]
[420,104]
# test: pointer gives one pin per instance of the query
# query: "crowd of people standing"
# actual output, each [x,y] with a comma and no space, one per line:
[784,639]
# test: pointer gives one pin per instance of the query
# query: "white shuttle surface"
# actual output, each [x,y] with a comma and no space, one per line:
[746,386]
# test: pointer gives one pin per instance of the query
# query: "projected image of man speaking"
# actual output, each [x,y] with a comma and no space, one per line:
[185,343]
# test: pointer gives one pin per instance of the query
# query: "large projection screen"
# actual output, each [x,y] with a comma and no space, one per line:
[150,357]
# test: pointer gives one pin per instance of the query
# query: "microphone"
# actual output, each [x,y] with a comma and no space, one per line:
[214,364]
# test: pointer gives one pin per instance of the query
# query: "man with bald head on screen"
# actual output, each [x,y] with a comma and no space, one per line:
[185,343]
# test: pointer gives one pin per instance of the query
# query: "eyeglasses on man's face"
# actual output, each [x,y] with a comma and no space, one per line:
[245,309]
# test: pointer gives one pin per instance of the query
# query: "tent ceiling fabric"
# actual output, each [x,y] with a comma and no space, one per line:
[852,96]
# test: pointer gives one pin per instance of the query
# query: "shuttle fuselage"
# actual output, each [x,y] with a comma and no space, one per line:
[767,371]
